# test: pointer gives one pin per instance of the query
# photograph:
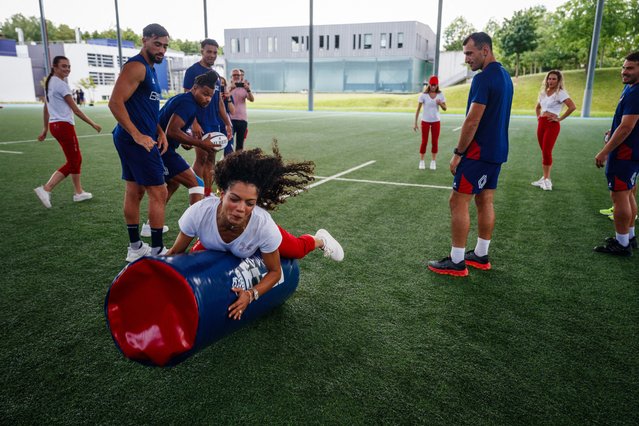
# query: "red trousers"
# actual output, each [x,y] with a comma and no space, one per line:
[65,135]
[435,128]
[291,247]
[547,133]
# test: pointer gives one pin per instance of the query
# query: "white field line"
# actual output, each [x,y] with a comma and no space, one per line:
[330,178]
[457,128]
[10,152]
[310,116]
[52,139]
[379,182]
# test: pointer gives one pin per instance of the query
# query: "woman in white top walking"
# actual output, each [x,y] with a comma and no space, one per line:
[551,101]
[432,99]
[58,116]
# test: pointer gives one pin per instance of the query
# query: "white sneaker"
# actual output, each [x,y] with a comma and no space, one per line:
[547,185]
[161,252]
[132,254]
[82,196]
[331,248]
[422,165]
[433,165]
[538,183]
[146,230]
[44,196]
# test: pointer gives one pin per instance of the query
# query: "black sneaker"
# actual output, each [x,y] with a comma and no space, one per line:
[633,242]
[447,267]
[478,262]
[612,246]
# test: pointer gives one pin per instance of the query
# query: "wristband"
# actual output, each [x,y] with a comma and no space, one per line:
[256,294]
[457,152]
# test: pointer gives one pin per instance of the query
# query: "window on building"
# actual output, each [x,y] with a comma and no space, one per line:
[328,42]
[321,42]
[246,45]
[124,59]
[235,45]
[354,41]
[400,40]
[102,78]
[98,60]
[390,40]
[275,43]
[359,41]
[368,41]
[306,38]
[336,42]
[295,44]
[382,41]
[269,45]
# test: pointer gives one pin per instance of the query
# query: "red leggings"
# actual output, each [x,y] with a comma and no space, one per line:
[65,134]
[291,247]
[547,133]
[435,127]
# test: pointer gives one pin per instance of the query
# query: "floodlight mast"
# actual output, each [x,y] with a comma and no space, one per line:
[118,32]
[45,41]
[437,39]
[592,60]
[310,58]
[206,25]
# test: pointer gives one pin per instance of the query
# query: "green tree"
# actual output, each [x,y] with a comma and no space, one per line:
[519,33]
[29,25]
[456,32]
[89,85]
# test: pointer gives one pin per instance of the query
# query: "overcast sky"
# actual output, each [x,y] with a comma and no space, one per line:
[184,18]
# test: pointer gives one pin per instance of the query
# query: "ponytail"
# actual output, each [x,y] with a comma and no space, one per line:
[56,61]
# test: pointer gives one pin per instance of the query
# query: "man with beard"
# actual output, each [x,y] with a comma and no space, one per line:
[621,157]
[140,141]
[213,118]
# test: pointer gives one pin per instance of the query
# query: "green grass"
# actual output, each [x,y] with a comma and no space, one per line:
[607,89]
[548,336]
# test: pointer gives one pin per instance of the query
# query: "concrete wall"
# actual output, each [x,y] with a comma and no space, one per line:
[16,80]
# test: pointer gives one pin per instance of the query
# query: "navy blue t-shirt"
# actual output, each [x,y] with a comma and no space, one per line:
[493,88]
[209,117]
[182,105]
[628,105]
[143,105]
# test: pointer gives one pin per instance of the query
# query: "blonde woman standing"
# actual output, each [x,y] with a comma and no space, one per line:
[432,99]
[552,98]
[58,116]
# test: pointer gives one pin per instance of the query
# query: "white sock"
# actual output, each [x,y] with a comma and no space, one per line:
[457,254]
[623,239]
[481,249]
[632,232]
[136,245]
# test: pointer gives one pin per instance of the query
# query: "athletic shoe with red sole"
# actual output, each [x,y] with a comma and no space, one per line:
[446,266]
[477,262]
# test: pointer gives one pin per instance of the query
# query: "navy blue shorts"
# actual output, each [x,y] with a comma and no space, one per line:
[621,174]
[174,164]
[473,176]
[138,165]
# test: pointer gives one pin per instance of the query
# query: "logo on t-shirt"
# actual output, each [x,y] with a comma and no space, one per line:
[155,96]
[482,181]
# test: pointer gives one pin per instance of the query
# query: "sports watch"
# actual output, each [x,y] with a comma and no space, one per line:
[457,152]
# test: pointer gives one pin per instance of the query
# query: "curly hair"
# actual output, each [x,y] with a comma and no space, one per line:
[275,180]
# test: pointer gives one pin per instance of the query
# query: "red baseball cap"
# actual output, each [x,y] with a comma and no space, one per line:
[434,81]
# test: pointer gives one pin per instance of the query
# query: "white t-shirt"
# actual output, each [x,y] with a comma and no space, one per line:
[58,108]
[431,109]
[554,102]
[261,233]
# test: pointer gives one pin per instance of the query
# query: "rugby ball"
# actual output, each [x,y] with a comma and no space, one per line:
[217,138]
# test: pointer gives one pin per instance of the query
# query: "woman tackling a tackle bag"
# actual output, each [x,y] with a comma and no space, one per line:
[238,221]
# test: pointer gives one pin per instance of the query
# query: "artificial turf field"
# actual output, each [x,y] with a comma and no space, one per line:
[549,336]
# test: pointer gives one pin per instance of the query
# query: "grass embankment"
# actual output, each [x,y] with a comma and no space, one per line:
[605,95]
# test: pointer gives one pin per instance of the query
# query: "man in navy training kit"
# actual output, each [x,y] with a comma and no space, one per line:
[210,119]
[477,159]
[176,117]
[621,153]
[139,140]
